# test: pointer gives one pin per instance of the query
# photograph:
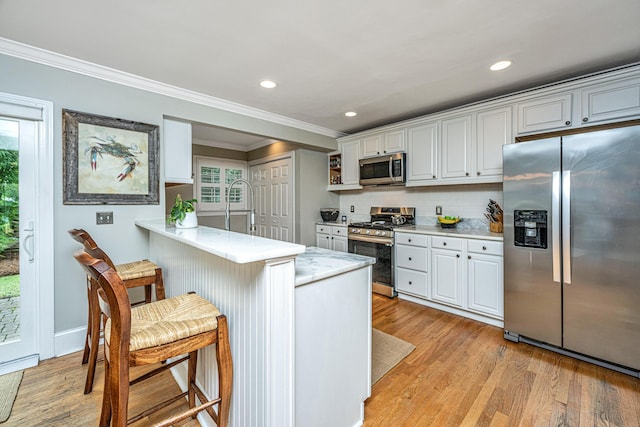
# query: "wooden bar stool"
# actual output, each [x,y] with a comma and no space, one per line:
[133,274]
[152,333]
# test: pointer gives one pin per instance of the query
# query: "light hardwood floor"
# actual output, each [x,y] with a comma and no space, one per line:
[462,373]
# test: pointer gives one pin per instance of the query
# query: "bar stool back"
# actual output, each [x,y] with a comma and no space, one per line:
[150,334]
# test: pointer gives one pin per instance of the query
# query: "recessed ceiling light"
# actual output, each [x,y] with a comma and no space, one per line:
[268,84]
[500,65]
[350,114]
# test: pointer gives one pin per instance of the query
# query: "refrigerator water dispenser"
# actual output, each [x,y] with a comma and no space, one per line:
[530,228]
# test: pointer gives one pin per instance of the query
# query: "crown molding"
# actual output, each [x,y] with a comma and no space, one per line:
[79,66]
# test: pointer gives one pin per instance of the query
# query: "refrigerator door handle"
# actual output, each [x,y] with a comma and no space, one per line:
[555,225]
[566,226]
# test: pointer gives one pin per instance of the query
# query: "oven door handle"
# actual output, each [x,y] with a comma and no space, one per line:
[381,240]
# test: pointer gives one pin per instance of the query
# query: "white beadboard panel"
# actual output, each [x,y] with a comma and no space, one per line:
[257,299]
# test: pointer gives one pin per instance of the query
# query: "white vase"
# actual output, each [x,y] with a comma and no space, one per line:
[190,221]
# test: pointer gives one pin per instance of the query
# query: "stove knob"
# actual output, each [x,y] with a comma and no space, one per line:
[383,233]
[367,232]
[377,233]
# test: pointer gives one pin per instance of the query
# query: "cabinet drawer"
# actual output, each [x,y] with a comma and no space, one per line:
[411,239]
[336,230]
[485,247]
[411,257]
[414,282]
[324,229]
[446,243]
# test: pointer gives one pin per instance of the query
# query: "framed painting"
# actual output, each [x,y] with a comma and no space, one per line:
[109,161]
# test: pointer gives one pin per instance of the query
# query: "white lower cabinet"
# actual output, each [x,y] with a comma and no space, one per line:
[461,275]
[332,237]
[448,277]
[412,263]
[485,277]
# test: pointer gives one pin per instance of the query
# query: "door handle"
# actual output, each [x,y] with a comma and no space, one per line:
[566,226]
[555,225]
[28,236]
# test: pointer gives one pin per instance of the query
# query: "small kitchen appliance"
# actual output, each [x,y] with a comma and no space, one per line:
[389,169]
[375,238]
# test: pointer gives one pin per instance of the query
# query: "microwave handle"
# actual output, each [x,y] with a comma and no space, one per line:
[390,167]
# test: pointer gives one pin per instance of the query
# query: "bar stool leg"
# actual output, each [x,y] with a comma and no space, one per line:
[93,334]
[225,371]
[159,284]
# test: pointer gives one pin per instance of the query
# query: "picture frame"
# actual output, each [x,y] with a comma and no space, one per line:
[109,161]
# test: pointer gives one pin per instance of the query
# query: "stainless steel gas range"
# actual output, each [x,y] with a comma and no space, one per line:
[375,239]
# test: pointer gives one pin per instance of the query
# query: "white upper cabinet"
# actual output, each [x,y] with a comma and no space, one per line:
[493,130]
[545,113]
[422,153]
[383,143]
[456,147]
[177,152]
[611,101]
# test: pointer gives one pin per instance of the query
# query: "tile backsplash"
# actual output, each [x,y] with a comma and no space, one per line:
[466,201]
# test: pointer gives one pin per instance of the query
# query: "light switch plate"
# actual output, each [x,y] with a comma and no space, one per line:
[104,218]
[438,210]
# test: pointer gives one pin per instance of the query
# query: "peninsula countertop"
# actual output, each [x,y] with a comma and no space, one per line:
[236,247]
[317,263]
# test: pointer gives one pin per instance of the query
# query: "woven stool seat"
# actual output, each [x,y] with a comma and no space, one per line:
[169,320]
[136,269]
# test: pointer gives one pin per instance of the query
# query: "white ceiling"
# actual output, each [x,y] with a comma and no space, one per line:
[386,60]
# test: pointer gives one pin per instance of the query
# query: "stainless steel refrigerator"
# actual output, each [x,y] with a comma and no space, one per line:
[572,245]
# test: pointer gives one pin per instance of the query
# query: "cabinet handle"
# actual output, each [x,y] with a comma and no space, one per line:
[484,248]
[434,177]
[409,258]
[568,122]
[469,256]
[457,255]
[585,119]
[478,173]
[409,240]
[410,282]
[467,173]
[444,243]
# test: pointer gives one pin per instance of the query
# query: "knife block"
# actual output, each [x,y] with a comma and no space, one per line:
[497,227]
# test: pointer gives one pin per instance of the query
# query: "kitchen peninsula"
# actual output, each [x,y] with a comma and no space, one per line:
[299,322]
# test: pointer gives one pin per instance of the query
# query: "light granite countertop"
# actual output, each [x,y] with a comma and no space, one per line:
[338,223]
[468,233]
[317,263]
[236,247]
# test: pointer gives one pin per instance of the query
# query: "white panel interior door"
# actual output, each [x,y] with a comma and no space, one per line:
[273,182]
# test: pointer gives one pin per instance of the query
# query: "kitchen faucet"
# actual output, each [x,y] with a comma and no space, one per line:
[227,211]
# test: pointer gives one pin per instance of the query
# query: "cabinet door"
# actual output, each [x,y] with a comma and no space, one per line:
[371,145]
[546,113]
[611,101]
[456,147]
[422,152]
[447,279]
[340,243]
[485,284]
[177,152]
[393,142]
[493,130]
[350,156]
[323,241]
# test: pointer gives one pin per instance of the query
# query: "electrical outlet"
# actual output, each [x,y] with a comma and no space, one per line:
[353,209]
[104,218]
[438,210]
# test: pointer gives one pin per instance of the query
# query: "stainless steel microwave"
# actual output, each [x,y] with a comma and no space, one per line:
[388,169]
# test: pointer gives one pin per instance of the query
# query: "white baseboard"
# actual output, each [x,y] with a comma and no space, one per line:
[69,341]
[19,364]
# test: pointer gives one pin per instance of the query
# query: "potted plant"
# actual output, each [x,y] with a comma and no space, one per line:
[183,213]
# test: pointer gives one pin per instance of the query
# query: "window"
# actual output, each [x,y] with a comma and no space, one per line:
[213,178]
